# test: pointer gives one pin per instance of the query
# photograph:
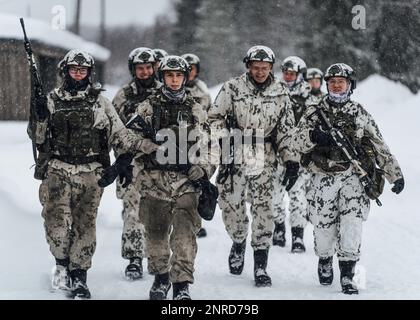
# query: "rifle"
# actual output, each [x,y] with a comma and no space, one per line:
[346,147]
[37,94]
[229,168]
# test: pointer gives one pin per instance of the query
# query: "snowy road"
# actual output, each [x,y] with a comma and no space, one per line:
[390,260]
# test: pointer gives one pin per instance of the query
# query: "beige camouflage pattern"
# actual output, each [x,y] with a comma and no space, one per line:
[337,202]
[132,244]
[169,207]
[171,226]
[200,92]
[269,112]
[70,205]
[70,193]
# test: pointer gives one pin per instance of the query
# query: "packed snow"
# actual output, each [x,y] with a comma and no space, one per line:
[41,31]
[388,269]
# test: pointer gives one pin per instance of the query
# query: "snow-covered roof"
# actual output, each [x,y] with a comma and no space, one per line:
[41,31]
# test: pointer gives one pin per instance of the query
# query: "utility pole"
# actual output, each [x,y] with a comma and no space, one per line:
[76,25]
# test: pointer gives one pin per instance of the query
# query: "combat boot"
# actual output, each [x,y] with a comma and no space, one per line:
[262,279]
[134,270]
[237,257]
[346,277]
[61,275]
[160,287]
[279,234]
[79,288]
[325,271]
[297,240]
[180,291]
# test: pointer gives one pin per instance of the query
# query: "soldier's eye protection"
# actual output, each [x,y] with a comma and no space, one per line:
[75,70]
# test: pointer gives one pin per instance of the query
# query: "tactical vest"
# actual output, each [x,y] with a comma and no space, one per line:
[133,100]
[331,158]
[298,107]
[169,115]
[73,136]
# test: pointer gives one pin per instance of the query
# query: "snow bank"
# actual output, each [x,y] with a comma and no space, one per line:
[10,28]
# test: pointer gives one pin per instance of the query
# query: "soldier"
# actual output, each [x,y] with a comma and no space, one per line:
[76,128]
[293,75]
[159,55]
[257,105]
[314,78]
[197,89]
[141,62]
[169,196]
[338,203]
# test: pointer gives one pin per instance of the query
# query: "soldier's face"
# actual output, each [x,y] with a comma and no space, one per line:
[174,79]
[144,71]
[289,76]
[259,70]
[337,85]
[193,73]
[315,83]
[78,73]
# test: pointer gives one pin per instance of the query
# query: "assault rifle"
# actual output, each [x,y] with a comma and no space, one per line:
[347,148]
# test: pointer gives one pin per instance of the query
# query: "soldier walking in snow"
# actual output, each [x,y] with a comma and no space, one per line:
[76,128]
[141,63]
[257,106]
[293,76]
[344,150]
[314,77]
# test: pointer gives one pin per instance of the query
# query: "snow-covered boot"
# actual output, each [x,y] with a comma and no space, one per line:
[279,234]
[262,279]
[237,257]
[201,233]
[134,270]
[297,240]
[61,275]
[79,288]
[160,287]
[325,271]
[346,277]
[180,291]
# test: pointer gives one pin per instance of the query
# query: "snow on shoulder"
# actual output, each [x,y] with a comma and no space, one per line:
[43,32]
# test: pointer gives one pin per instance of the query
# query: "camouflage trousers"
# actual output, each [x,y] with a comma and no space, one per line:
[256,190]
[171,226]
[297,195]
[133,239]
[337,207]
[70,205]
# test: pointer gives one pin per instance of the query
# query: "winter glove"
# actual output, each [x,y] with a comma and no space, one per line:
[398,186]
[195,173]
[320,137]
[41,108]
[121,168]
[147,146]
[291,175]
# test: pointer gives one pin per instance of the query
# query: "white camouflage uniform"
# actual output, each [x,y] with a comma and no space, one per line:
[267,110]
[337,202]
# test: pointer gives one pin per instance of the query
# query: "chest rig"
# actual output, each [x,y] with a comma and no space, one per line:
[330,158]
[73,138]
[133,100]
[173,116]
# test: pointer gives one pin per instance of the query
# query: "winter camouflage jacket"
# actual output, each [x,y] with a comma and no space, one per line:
[362,125]
[200,92]
[166,185]
[268,111]
[299,95]
[105,118]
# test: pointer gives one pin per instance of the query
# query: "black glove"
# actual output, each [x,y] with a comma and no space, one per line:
[320,137]
[291,175]
[398,186]
[41,108]
[122,168]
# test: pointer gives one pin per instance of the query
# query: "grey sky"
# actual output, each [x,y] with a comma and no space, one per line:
[118,12]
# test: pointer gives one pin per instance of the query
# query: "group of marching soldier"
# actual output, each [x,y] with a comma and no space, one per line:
[267,136]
